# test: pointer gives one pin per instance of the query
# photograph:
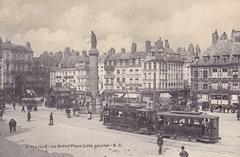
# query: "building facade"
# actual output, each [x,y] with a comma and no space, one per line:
[156,68]
[215,75]
[76,77]
[101,72]
[14,61]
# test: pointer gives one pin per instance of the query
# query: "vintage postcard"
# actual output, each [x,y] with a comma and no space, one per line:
[119,78]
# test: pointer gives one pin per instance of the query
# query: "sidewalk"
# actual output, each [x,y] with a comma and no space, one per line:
[12,149]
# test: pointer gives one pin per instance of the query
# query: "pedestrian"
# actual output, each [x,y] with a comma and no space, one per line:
[183,153]
[238,114]
[14,125]
[35,108]
[11,125]
[89,115]
[101,115]
[14,105]
[28,116]
[51,119]
[23,108]
[160,143]
[211,108]
[1,112]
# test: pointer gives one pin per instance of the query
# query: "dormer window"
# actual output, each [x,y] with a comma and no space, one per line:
[215,59]
[206,58]
[236,57]
[225,58]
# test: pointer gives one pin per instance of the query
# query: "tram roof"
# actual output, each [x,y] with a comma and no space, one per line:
[137,108]
[187,114]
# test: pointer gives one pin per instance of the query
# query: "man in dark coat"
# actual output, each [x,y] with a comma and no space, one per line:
[51,119]
[28,116]
[14,125]
[160,143]
[11,125]
[14,106]
[183,153]
[238,114]
[23,108]
[35,108]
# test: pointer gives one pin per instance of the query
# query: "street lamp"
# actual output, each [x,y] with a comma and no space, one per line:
[197,60]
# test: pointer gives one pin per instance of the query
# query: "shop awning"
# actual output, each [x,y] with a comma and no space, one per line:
[165,95]
[131,95]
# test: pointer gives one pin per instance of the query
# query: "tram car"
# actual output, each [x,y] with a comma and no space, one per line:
[188,125]
[135,119]
[192,126]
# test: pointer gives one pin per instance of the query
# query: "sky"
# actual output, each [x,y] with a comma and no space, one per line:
[52,25]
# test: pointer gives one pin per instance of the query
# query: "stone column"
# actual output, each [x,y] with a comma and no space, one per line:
[93,74]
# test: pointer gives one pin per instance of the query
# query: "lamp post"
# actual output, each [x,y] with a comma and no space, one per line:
[197,60]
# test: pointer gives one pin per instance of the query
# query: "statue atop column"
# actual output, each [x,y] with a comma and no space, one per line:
[93,41]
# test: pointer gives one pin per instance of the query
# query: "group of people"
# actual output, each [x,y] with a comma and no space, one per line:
[13,123]
[183,152]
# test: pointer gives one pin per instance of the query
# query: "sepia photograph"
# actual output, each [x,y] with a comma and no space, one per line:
[119,78]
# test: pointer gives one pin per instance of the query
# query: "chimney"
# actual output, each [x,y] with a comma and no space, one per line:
[148,45]
[111,51]
[191,49]
[166,44]
[134,47]
[159,43]
[123,50]
[84,53]
[197,49]
[224,36]
[28,44]
[179,49]
[233,30]
[215,37]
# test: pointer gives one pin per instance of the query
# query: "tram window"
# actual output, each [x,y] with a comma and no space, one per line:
[160,118]
[189,122]
[196,122]
[175,121]
[213,123]
[120,114]
[182,122]
[168,120]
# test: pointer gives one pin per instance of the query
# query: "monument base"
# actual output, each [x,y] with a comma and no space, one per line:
[93,52]
[96,105]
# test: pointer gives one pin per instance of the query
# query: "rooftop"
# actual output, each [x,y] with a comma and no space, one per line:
[160,54]
[15,47]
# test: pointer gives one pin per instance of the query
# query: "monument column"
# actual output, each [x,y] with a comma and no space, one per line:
[93,71]
[93,74]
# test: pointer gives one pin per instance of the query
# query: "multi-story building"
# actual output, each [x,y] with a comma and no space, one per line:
[74,76]
[15,60]
[156,68]
[101,72]
[188,56]
[215,74]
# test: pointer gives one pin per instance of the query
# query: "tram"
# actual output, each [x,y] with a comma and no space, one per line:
[129,118]
[192,126]
[189,125]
